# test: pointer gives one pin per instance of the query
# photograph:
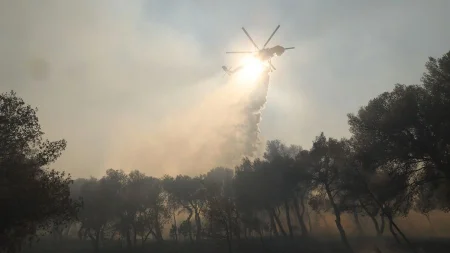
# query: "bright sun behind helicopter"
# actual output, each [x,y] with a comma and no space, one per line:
[252,68]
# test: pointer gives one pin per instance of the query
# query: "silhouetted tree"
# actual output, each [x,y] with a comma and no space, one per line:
[407,127]
[33,197]
[152,207]
[99,200]
[329,160]
[188,192]
[281,171]
[220,208]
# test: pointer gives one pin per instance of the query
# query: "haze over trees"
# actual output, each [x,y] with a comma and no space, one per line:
[395,162]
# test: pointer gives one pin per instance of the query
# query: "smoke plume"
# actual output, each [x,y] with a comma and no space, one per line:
[218,130]
[253,110]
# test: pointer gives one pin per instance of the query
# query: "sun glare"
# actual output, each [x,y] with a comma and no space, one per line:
[251,69]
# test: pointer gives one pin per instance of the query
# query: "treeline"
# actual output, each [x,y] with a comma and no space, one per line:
[396,161]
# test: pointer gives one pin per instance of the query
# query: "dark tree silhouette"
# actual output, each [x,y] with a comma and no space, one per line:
[33,198]
[407,128]
[187,192]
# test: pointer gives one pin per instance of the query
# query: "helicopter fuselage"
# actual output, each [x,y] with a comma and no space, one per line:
[267,53]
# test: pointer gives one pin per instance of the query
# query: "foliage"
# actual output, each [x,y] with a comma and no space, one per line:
[33,198]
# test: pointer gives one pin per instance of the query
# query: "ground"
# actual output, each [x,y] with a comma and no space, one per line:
[311,245]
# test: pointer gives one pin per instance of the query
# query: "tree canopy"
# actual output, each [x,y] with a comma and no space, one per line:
[33,198]
[396,161]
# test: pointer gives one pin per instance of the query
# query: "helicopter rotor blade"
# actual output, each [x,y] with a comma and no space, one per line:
[240,52]
[248,35]
[286,48]
[267,42]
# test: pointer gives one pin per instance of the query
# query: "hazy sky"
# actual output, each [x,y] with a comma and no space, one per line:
[138,83]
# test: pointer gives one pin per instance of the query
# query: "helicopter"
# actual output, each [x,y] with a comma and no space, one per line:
[264,54]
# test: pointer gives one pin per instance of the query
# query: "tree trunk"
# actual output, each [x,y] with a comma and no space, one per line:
[230,230]
[85,234]
[236,225]
[96,245]
[288,219]
[134,236]
[261,238]
[102,236]
[309,221]
[210,224]
[128,238]
[391,228]
[375,224]
[95,239]
[392,225]
[158,233]
[190,226]
[156,225]
[301,222]
[144,239]
[302,214]
[373,218]
[67,231]
[388,214]
[357,223]
[198,225]
[337,213]
[176,227]
[277,220]
[228,237]
[272,222]
[433,231]
[230,249]
[80,232]
[383,224]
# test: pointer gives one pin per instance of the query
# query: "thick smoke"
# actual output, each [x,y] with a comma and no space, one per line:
[253,110]
[245,139]
[216,131]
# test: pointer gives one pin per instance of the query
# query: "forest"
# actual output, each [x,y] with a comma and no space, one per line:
[347,194]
